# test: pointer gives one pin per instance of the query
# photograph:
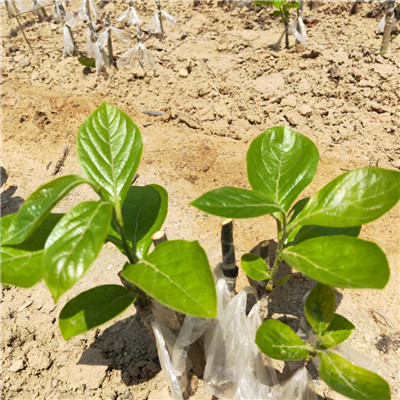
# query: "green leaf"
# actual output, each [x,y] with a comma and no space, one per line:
[342,261]
[320,307]
[87,62]
[93,308]
[109,147]
[312,231]
[74,244]
[255,267]
[277,340]
[287,6]
[276,13]
[281,163]
[338,331]
[352,199]
[36,208]
[178,275]
[231,202]
[350,380]
[20,267]
[143,213]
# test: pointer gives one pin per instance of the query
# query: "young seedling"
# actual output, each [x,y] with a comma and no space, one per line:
[130,16]
[95,49]
[387,25]
[282,8]
[37,244]
[156,23]
[326,331]
[68,19]
[106,37]
[317,235]
[137,55]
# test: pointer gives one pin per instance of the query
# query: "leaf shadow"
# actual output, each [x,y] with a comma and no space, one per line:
[9,203]
[126,346]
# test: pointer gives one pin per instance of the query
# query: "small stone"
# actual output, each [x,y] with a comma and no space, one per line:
[305,110]
[183,73]
[304,86]
[24,62]
[16,366]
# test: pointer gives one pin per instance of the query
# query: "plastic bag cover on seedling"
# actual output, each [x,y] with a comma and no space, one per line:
[234,367]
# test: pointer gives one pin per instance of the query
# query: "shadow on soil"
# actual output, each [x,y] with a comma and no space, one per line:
[9,203]
[125,346]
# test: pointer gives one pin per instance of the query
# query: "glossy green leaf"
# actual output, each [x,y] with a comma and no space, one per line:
[36,208]
[320,307]
[337,332]
[281,163]
[74,244]
[312,231]
[109,147]
[277,340]
[255,267]
[20,267]
[341,261]
[350,380]
[143,213]
[93,308]
[352,199]
[178,275]
[231,202]
[87,62]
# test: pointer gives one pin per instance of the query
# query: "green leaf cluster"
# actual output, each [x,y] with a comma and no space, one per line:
[279,341]
[318,236]
[59,248]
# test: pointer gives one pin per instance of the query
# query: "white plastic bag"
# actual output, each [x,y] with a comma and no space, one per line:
[130,16]
[137,55]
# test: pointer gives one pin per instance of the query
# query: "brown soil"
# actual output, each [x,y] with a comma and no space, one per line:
[219,85]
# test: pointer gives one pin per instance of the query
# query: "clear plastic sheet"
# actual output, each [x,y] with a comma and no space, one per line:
[154,25]
[82,14]
[68,44]
[303,29]
[123,36]
[137,55]
[298,35]
[381,26]
[130,16]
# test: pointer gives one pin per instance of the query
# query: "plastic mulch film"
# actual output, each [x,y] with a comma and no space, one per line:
[68,41]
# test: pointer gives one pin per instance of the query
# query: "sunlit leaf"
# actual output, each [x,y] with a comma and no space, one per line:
[337,332]
[109,147]
[178,275]
[277,340]
[352,199]
[281,163]
[74,244]
[255,267]
[231,202]
[341,261]
[36,208]
[350,380]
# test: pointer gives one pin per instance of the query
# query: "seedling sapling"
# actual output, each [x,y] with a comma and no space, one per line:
[59,248]
[137,55]
[325,331]
[282,8]
[130,16]
[156,23]
[317,235]
[387,24]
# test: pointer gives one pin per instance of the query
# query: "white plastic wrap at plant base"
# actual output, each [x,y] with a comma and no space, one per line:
[137,55]
[82,14]
[68,44]
[234,365]
[154,25]
[130,16]
[123,36]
